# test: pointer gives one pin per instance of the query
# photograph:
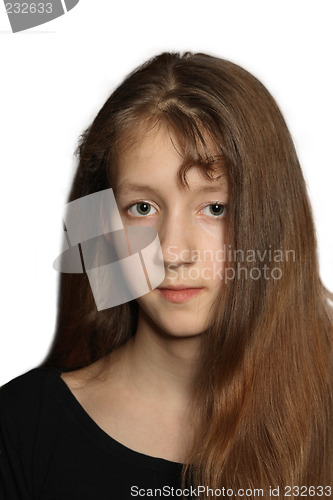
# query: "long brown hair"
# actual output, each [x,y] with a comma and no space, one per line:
[264,389]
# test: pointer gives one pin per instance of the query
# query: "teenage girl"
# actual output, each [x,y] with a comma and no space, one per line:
[221,378]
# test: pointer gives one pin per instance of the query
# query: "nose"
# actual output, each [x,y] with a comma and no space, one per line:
[178,240]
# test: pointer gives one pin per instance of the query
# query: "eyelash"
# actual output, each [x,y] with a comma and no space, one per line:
[219,216]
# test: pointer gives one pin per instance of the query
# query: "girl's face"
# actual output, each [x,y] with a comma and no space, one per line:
[190,224]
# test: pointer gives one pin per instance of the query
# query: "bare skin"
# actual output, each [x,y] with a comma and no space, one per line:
[141,393]
[139,397]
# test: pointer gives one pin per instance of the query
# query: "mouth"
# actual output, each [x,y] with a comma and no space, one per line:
[179,293]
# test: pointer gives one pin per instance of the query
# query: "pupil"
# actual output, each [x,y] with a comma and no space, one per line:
[217,209]
[143,208]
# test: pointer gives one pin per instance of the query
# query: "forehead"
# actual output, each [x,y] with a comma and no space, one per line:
[158,156]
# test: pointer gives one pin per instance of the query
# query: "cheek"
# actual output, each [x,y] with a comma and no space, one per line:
[139,221]
[211,231]
[211,239]
[212,253]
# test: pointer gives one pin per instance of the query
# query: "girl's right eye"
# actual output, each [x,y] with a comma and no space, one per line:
[141,209]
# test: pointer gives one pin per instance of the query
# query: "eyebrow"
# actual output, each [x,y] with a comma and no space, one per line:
[128,187]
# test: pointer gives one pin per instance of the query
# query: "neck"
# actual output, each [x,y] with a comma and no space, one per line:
[161,365]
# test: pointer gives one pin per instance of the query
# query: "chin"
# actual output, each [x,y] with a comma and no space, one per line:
[176,323]
[185,331]
[176,320]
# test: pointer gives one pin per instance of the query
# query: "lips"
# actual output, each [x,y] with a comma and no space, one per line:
[179,293]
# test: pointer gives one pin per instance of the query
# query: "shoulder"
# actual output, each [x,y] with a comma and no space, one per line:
[29,384]
[30,414]
[23,397]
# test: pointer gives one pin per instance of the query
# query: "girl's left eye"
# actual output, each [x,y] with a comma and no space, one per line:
[141,209]
[214,209]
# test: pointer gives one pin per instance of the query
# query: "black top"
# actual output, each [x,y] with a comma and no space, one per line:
[51,449]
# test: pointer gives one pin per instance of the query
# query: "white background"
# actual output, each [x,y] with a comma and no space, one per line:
[54,79]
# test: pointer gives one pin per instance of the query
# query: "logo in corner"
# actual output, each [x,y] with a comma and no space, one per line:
[26,15]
